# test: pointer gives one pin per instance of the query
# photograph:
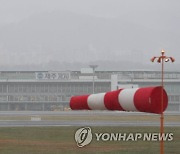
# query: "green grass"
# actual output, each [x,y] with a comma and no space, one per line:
[55,140]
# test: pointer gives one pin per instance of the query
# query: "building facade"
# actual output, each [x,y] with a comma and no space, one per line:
[48,90]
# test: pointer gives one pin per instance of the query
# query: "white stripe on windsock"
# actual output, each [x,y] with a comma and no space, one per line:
[126,99]
[96,101]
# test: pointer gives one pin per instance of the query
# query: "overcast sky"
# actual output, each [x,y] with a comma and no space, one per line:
[42,31]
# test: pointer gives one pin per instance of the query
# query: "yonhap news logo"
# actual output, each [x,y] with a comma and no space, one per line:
[84,136]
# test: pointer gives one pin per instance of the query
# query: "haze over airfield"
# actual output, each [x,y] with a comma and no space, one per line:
[70,34]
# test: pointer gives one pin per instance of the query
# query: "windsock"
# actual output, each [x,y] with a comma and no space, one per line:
[147,99]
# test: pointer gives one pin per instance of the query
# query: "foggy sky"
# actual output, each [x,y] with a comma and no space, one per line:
[42,32]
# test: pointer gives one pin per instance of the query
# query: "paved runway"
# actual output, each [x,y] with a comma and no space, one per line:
[79,113]
[29,123]
[82,112]
[82,123]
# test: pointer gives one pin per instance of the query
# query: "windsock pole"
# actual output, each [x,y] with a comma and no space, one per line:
[161,60]
[162,113]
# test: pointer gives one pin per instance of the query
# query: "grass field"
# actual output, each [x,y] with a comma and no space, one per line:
[55,140]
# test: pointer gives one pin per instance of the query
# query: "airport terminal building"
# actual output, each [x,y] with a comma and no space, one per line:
[52,90]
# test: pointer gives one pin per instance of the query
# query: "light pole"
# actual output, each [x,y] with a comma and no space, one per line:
[161,59]
[93,67]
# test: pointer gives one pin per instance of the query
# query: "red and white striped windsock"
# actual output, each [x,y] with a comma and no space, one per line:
[147,99]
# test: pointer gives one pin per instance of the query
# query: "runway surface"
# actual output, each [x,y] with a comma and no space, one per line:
[82,123]
[79,113]
[29,123]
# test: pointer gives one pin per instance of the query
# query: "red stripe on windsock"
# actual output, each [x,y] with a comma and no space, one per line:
[79,103]
[111,100]
[149,99]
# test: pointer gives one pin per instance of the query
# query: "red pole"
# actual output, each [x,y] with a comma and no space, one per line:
[161,60]
[162,114]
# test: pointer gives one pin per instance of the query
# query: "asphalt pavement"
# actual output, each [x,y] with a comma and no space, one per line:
[39,122]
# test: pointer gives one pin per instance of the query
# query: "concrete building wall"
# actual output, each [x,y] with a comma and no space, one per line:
[26,91]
